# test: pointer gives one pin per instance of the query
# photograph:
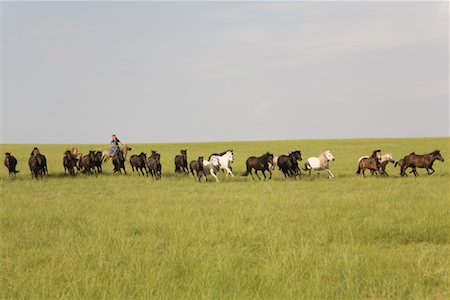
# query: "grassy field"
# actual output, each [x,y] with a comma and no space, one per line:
[112,236]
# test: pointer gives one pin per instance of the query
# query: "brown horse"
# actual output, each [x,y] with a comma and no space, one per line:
[197,166]
[154,165]
[181,164]
[11,162]
[106,155]
[261,163]
[425,161]
[372,163]
[86,163]
[288,164]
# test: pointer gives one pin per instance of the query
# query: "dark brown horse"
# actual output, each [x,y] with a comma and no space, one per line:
[372,163]
[37,164]
[288,164]
[197,167]
[259,164]
[425,161]
[10,162]
[139,162]
[181,164]
[86,163]
[154,165]
[118,160]
[69,162]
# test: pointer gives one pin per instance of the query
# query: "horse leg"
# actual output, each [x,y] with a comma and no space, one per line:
[229,172]
[213,175]
[264,173]
[270,174]
[256,173]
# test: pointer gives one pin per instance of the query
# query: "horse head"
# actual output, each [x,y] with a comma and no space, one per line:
[329,155]
[437,155]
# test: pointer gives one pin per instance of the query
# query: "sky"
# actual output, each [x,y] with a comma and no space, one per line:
[154,72]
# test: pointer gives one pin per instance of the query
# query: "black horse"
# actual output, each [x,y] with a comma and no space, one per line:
[119,163]
[288,164]
[259,164]
[11,162]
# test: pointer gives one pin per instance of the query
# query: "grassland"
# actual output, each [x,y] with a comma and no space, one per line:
[114,236]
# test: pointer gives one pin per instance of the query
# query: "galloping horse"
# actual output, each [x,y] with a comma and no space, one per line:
[320,163]
[106,155]
[212,167]
[426,161]
[372,163]
[225,161]
[259,164]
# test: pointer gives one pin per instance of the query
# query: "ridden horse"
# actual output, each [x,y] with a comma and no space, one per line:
[211,166]
[259,164]
[425,161]
[119,162]
[320,163]
[154,165]
[70,162]
[372,163]
[288,164]
[181,164]
[106,155]
[225,161]
[10,162]
[139,162]
[197,166]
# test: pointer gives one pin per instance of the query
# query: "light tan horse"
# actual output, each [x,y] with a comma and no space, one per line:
[106,155]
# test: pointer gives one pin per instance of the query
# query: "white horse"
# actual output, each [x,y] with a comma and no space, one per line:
[320,163]
[211,166]
[274,162]
[225,161]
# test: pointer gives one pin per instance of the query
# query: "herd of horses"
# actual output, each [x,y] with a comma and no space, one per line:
[91,163]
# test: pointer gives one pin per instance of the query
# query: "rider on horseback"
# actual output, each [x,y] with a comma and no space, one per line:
[115,145]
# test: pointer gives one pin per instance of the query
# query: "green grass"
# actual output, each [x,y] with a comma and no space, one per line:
[121,237]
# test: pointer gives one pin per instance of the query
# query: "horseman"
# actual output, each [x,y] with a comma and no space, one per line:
[115,145]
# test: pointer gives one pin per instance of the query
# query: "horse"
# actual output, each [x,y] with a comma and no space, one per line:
[211,166]
[69,162]
[225,161]
[288,164]
[384,160]
[154,165]
[139,162]
[181,164]
[10,163]
[372,163]
[86,163]
[425,161]
[320,163]
[197,166]
[106,155]
[119,163]
[259,164]
[38,164]
[274,163]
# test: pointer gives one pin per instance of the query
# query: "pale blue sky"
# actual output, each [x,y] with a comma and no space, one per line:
[195,71]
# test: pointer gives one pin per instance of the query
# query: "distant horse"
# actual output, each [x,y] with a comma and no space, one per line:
[259,164]
[383,160]
[69,162]
[118,160]
[197,167]
[10,163]
[37,164]
[139,162]
[320,163]
[372,163]
[225,161]
[154,165]
[106,155]
[274,162]
[211,166]
[425,161]
[181,164]
[288,164]
[86,163]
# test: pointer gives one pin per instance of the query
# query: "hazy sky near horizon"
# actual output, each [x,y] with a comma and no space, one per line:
[76,72]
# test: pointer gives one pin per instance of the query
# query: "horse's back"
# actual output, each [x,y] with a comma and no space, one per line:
[314,162]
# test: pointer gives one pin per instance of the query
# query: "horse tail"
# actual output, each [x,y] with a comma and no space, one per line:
[249,169]
[307,166]
[359,169]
